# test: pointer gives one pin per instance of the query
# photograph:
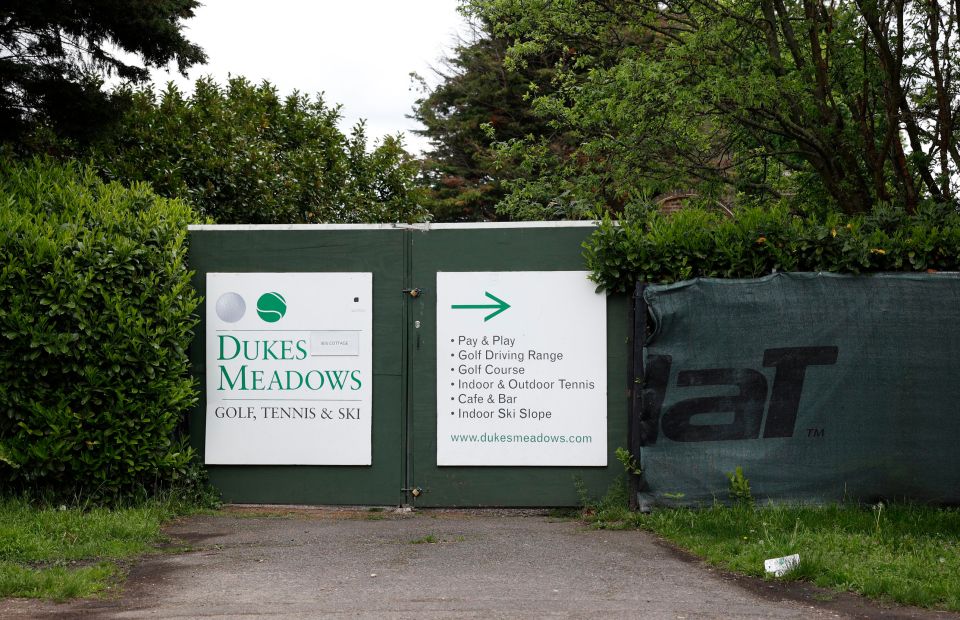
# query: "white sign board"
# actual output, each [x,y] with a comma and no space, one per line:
[288,368]
[521,369]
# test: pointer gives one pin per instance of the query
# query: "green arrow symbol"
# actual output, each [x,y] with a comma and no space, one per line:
[500,306]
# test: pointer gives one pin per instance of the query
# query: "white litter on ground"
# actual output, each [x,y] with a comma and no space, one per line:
[781,566]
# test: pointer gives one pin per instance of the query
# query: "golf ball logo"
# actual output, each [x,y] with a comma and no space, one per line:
[231,307]
[271,307]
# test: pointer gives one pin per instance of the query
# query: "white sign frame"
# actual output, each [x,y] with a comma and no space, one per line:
[551,326]
[274,396]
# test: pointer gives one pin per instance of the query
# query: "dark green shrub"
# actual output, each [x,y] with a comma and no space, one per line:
[652,247]
[242,154]
[96,314]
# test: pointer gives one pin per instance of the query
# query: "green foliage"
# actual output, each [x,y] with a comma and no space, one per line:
[848,104]
[53,56]
[429,539]
[657,248]
[477,103]
[629,463]
[48,533]
[58,583]
[241,154]
[913,559]
[96,315]
[739,487]
[46,549]
[610,511]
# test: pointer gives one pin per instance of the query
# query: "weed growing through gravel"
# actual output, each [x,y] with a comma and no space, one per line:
[428,539]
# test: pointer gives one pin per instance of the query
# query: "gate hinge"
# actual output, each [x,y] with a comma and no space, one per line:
[412,292]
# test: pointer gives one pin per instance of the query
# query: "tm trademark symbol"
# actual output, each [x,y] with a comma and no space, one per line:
[815,432]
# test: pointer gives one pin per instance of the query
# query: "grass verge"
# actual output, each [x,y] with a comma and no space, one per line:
[61,552]
[905,553]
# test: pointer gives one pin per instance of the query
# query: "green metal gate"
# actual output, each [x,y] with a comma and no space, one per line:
[401,258]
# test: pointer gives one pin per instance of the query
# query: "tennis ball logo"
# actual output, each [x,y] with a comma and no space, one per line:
[271,307]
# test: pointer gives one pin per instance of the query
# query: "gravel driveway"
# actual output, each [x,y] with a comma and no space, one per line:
[308,563]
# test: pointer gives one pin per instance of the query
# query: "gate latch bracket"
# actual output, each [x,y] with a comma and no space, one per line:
[412,292]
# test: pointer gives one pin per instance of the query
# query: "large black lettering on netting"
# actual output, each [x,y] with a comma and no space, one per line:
[821,387]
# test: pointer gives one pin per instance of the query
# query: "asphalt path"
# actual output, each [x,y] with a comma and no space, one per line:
[358,563]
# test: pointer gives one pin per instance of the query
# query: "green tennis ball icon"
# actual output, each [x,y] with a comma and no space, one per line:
[271,307]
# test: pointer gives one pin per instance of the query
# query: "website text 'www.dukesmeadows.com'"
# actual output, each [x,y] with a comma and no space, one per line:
[501,438]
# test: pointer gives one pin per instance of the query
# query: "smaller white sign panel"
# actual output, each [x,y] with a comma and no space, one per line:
[521,369]
[289,368]
[345,342]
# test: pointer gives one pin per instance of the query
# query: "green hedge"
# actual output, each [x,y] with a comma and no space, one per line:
[652,247]
[96,314]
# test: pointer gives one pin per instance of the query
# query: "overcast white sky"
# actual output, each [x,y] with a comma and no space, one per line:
[358,53]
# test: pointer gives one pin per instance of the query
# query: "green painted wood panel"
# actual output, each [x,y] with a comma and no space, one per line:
[502,249]
[382,252]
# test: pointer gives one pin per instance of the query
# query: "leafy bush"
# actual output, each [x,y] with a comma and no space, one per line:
[96,314]
[241,154]
[652,247]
